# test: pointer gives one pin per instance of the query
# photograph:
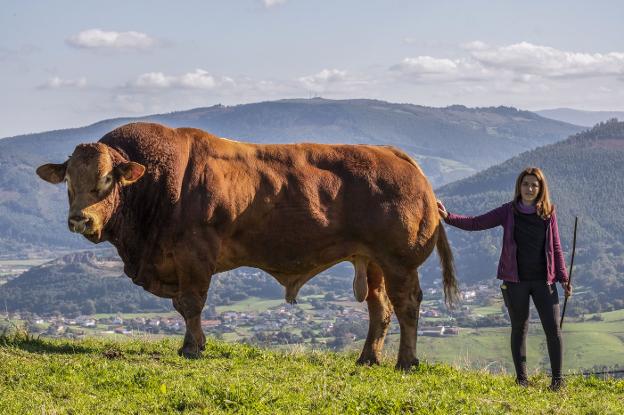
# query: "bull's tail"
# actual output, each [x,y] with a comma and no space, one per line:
[451,290]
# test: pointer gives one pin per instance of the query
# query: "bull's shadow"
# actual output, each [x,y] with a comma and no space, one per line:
[33,344]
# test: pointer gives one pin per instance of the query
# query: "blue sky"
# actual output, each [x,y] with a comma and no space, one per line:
[69,63]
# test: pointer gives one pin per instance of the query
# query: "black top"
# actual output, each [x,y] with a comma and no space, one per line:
[530,237]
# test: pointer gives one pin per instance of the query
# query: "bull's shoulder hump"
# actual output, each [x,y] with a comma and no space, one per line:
[138,134]
[139,129]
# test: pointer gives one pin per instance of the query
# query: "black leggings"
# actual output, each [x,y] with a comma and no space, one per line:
[546,300]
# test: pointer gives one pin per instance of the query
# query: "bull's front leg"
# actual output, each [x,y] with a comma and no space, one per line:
[190,305]
[195,264]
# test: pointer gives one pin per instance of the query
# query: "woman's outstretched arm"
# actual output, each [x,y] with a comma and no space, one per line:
[491,219]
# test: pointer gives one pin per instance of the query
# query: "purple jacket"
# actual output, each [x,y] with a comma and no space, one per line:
[507,265]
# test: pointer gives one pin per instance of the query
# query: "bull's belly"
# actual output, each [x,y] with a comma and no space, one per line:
[289,258]
[291,267]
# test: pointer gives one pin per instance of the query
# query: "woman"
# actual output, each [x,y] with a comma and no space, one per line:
[531,262]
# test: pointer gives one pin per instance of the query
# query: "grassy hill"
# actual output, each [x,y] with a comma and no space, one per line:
[93,376]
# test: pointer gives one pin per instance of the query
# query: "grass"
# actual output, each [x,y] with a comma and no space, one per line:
[141,376]
[617,315]
[487,310]
[585,345]
[251,304]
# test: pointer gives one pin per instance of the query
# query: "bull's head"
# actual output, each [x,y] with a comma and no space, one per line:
[94,177]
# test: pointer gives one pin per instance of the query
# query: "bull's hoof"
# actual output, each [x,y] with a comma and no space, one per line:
[406,366]
[189,353]
[367,361]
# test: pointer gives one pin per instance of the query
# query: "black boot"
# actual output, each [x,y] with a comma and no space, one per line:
[556,384]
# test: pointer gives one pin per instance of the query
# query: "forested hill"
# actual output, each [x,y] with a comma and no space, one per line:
[449,143]
[586,178]
[579,117]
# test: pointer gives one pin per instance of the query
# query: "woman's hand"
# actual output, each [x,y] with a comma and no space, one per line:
[567,289]
[442,210]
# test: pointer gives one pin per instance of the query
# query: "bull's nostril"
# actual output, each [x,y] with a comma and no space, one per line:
[78,223]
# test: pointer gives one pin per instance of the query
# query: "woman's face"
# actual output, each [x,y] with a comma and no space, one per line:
[529,189]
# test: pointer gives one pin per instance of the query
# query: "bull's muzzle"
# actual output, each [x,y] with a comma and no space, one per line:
[80,224]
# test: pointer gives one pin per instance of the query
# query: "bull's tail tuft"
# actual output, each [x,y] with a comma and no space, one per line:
[451,290]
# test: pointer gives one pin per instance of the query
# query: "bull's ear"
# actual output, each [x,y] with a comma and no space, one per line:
[52,173]
[130,172]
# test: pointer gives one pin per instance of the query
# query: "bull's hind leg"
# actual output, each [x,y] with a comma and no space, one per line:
[405,295]
[379,314]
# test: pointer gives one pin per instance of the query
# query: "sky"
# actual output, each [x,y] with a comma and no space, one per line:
[68,63]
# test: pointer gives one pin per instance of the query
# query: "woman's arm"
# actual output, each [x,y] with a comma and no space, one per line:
[491,219]
[560,268]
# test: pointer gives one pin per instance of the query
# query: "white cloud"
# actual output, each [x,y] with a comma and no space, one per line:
[528,59]
[272,3]
[519,63]
[430,69]
[100,39]
[329,78]
[198,79]
[423,65]
[57,83]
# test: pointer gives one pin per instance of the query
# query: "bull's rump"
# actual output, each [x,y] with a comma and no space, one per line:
[317,204]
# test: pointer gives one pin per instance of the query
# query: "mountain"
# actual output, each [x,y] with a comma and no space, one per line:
[578,117]
[89,282]
[586,178]
[450,143]
[79,283]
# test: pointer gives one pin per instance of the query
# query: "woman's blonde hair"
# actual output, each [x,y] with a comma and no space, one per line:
[543,204]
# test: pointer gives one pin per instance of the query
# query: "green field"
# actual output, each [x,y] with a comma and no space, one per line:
[586,344]
[487,310]
[142,377]
[251,304]
[617,315]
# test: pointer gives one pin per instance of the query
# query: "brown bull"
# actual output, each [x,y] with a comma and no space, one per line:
[181,205]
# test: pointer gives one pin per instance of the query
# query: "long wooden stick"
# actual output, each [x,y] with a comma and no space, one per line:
[565,302]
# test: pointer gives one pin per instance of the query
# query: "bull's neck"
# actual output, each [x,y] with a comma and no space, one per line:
[135,225]
[136,221]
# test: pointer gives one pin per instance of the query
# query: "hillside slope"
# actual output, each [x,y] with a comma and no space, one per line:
[103,377]
[76,284]
[88,283]
[449,143]
[586,178]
